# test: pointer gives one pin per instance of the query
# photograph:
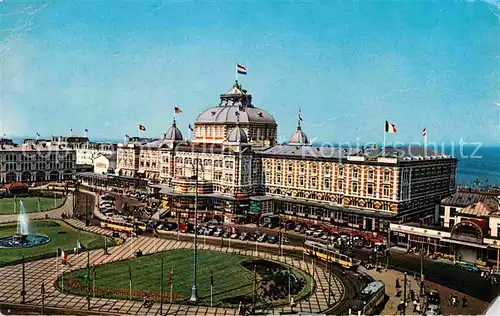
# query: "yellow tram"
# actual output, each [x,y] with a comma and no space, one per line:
[118,226]
[329,253]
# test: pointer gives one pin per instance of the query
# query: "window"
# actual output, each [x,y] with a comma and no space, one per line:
[327,170]
[370,174]
[290,167]
[314,169]
[354,187]
[339,185]
[302,168]
[386,190]
[268,177]
[278,166]
[369,189]
[301,181]
[355,173]
[327,184]
[314,182]
[278,179]
[289,180]
[341,171]
[387,176]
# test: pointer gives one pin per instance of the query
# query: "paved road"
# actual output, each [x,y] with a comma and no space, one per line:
[45,270]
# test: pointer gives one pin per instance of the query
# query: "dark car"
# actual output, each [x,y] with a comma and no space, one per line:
[273,240]
[433,297]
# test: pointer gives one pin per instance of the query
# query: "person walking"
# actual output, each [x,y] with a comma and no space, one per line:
[415,303]
[464,301]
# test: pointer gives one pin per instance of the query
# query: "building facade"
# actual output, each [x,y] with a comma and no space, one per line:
[240,170]
[468,230]
[86,151]
[31,162]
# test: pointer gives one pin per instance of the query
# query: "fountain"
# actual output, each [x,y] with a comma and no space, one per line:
[23,238]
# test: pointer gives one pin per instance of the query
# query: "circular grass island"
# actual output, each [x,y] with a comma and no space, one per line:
[232,274]
[60,235]
[32,204]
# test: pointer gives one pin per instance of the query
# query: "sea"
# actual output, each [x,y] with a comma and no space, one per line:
[478,165]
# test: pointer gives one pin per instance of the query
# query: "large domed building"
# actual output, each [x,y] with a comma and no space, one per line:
[214,124]
[238,170]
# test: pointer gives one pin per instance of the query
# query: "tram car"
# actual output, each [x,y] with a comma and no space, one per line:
[369,300]
[329,253]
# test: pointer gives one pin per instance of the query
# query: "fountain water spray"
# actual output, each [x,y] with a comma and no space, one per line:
[23,221]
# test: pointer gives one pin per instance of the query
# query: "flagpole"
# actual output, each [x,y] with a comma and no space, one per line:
[236,68]
[384,138]
[171,283]
[425,143]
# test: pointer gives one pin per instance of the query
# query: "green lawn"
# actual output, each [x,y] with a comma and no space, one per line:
[30,204]
[231,278]
[61,235]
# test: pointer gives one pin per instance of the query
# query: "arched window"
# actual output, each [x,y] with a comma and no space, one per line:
[370,174]
[327,184]
[341,171]
[355,173]
[387,175]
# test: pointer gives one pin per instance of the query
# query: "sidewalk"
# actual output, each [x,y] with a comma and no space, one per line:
[475,306]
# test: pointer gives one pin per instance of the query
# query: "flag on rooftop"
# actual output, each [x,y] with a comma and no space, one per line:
[242,70]
[390,128]
[424,132]
[177,110]
[142,127]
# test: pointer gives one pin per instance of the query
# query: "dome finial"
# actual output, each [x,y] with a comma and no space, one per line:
[299,118]
[174,123]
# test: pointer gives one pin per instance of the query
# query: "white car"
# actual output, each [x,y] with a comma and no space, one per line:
[233,236]
[310,231]
[218,233]
[317,233]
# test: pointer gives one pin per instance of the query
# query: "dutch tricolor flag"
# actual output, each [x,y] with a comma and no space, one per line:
[242,70]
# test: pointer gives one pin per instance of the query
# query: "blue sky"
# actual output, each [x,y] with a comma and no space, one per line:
[350,66]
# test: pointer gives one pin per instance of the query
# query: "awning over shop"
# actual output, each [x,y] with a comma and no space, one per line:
[465,243]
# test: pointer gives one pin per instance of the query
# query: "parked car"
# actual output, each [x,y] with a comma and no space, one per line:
[273,240]
[170,226]
[234,236]
[317,233]
[243,236]
[468,267]
[218,232]
[310,231]
[262,238]
[226,234]
[285,240]
[297,228]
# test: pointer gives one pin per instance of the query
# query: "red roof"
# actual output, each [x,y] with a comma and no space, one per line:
[15,185]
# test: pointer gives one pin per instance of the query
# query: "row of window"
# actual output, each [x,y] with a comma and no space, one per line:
[24,166]
[36,157]
[327,170]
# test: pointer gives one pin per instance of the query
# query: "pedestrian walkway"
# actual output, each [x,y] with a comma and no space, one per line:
[78,224]
[66,208]
[48,271]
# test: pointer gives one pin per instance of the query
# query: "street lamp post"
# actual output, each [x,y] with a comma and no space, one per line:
[194,294]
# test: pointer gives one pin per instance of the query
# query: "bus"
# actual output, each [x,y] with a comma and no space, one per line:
[329,253]
[369,300]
